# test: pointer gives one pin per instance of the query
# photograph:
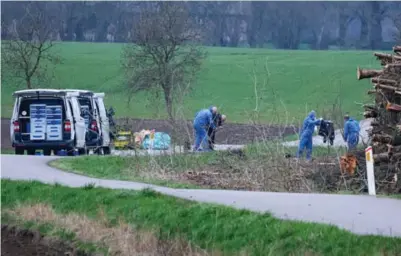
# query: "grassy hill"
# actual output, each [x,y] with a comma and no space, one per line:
[298,81]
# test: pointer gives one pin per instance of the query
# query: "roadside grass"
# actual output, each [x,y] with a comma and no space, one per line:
[96,235]
[7,151]
[211,227]
[171,170]
[296,77]
[48,229]
[135,168]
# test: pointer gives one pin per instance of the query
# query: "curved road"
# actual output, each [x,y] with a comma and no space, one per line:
[358,214]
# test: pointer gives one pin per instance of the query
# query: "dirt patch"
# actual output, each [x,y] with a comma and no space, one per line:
[230,134]
[18,242]
[121,239]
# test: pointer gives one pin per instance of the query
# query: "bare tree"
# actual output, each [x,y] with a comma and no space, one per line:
[163,54]
[27,53]
[288,19]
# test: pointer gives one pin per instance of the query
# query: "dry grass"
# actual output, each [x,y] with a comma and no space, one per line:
[121,239]
[263,167]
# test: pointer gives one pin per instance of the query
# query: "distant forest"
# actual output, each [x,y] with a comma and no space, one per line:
[282,25]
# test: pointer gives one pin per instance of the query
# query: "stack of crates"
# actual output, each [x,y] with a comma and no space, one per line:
[54,122]
[38,121]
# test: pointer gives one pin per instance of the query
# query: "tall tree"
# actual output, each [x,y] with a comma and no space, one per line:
[288,20]
[163,54]
[27,54]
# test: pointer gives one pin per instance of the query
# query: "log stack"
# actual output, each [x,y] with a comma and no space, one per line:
[385,134]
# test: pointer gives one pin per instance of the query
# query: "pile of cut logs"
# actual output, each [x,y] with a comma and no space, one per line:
[385,134]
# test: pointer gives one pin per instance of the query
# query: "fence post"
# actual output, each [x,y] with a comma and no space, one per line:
[370,171]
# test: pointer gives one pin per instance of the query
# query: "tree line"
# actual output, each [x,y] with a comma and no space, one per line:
[164,50]
[284,25]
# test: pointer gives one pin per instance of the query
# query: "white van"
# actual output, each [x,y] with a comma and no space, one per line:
[104,123]
[91,116]
[48,120]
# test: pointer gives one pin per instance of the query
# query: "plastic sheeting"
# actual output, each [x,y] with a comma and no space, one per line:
[161,141]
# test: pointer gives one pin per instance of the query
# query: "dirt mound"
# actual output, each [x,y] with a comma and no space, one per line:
[18,242]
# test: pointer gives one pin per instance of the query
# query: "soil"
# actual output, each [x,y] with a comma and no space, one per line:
[18,242]
[230,133]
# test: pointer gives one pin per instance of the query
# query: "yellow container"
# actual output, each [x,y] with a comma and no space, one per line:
[123,139]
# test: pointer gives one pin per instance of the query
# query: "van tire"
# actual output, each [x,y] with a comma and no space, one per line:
[106,150]
[19,151]
[47,152]
[82,151]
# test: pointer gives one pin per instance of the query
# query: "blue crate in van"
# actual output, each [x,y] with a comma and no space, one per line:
[38,121]
[54,123]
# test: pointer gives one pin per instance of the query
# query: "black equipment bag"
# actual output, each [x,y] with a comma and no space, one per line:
[326,130]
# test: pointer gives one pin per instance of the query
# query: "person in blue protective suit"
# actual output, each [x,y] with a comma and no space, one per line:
[202,122]
[308,127]
[351,132]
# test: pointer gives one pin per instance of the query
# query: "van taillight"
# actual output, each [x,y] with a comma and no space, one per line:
[67,126]
[94,126]
[16,126]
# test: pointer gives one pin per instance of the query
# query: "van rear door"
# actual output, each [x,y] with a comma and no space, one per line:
[14,117]
[104,120]
[78,121]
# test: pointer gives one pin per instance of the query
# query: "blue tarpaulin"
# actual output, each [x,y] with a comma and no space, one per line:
[161,141]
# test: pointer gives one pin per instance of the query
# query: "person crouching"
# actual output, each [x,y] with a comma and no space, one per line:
[202,122]
[218,122]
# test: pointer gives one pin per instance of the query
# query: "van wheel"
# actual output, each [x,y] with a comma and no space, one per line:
[47,152]
[82,151]
[19,151]
[31,152]
[106,151]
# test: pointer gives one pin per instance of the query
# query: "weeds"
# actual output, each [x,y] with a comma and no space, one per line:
[216,229]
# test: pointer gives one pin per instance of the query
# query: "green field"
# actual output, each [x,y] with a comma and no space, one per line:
[299,81]
[215,228]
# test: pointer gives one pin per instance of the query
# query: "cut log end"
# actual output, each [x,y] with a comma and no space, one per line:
[367,73]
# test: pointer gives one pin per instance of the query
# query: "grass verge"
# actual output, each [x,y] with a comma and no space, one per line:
[6,151]
[211,227]
[48,229]
[208,170]
[96,236]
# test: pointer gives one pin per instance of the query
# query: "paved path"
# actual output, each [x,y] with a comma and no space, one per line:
[338,141]
[359,214]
